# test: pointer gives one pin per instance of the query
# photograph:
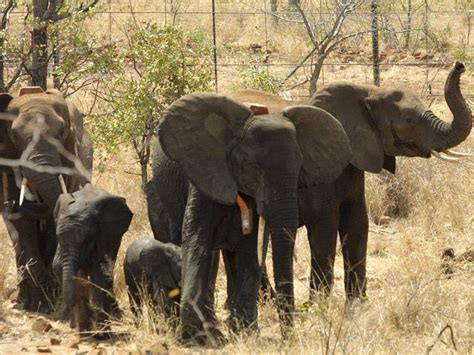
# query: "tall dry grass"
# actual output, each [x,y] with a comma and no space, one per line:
[411,307]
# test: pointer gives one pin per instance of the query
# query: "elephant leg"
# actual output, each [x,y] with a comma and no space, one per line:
[82,312]
[354,230]
[266,290]
[247,283]
[198,323]
[103,292]
[320,213]
[133,286]
[36,281]
[230,270]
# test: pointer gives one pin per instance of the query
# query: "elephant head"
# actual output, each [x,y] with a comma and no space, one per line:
[38,129]
[225,150]
[90,224]
[383,123]
[162,265]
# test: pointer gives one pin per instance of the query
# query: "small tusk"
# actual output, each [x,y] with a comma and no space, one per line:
[62,184]
[443,157]
[453,153]
[23,188]
[260,235]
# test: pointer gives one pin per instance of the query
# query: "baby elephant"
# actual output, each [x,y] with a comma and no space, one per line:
[90,224]
[155,267]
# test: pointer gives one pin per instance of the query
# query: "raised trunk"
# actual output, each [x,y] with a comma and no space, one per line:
[447,135]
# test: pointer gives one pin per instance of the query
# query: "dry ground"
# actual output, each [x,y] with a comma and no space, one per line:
[410,301]
[412,307]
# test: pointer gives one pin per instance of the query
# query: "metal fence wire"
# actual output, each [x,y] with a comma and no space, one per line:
[418,40]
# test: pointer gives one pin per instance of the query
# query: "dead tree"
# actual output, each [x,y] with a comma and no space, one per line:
[325,36]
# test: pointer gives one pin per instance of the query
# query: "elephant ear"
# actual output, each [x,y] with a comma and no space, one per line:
[6,147]
[323,143]
[196,131]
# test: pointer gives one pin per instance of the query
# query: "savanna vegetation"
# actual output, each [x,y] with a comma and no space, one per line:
[123,62]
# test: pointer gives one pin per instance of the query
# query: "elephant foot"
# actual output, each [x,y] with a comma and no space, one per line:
[210,337]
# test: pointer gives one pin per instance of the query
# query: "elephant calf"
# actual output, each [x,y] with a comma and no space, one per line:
[154,267]
[90,224]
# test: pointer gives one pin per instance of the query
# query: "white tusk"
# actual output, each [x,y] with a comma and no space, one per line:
[456,154]
[62,184]
[23,188]
[260,235]
[443,157]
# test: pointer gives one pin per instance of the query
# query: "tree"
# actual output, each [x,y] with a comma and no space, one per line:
[325,35]
[160,64]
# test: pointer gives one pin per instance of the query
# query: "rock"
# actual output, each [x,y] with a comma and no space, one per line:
[4,329]
[43,349]
[55,341]
[382,220]
[156,348]
[41,325]
[73,344]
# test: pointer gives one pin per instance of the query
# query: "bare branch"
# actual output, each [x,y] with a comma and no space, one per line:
[9,7]
[306,24]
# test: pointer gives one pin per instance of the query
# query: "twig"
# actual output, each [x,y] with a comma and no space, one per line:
[451,332]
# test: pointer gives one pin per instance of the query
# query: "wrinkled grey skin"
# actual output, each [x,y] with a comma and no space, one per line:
[381,123]
[90,224]
[154,267]
[211,149]
[31,226]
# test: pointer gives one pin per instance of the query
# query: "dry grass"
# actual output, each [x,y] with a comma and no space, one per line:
[410,302]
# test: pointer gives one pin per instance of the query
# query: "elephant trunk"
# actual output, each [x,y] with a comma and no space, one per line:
[448,135]
[42,158]
[70,261]
[282,218]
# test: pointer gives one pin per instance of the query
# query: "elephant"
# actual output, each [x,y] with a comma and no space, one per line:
[90,224]
[216,168]
[154,267]
[381,123]
[42,138]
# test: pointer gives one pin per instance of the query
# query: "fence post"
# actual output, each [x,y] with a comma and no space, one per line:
[375,43]
[214,42]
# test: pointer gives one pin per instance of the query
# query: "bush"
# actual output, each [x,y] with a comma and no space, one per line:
[160,65]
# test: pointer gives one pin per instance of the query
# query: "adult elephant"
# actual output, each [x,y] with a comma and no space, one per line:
[214,152]
[381,123]
[39,135]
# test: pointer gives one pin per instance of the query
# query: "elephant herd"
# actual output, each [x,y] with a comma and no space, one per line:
[230,173]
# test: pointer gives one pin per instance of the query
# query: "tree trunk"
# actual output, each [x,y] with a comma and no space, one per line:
[313,83]
[39,43]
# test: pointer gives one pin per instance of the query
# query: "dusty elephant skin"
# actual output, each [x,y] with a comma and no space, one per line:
[212,150]
[154,267]
[30,127]
[381,123]
[90,224]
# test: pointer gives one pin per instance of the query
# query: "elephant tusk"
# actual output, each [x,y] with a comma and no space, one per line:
[23,188]
[245,215]
[456,154]
[443,157]
[62,184]
[260,237]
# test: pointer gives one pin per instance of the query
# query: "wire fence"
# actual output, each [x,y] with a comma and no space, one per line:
[417,45]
